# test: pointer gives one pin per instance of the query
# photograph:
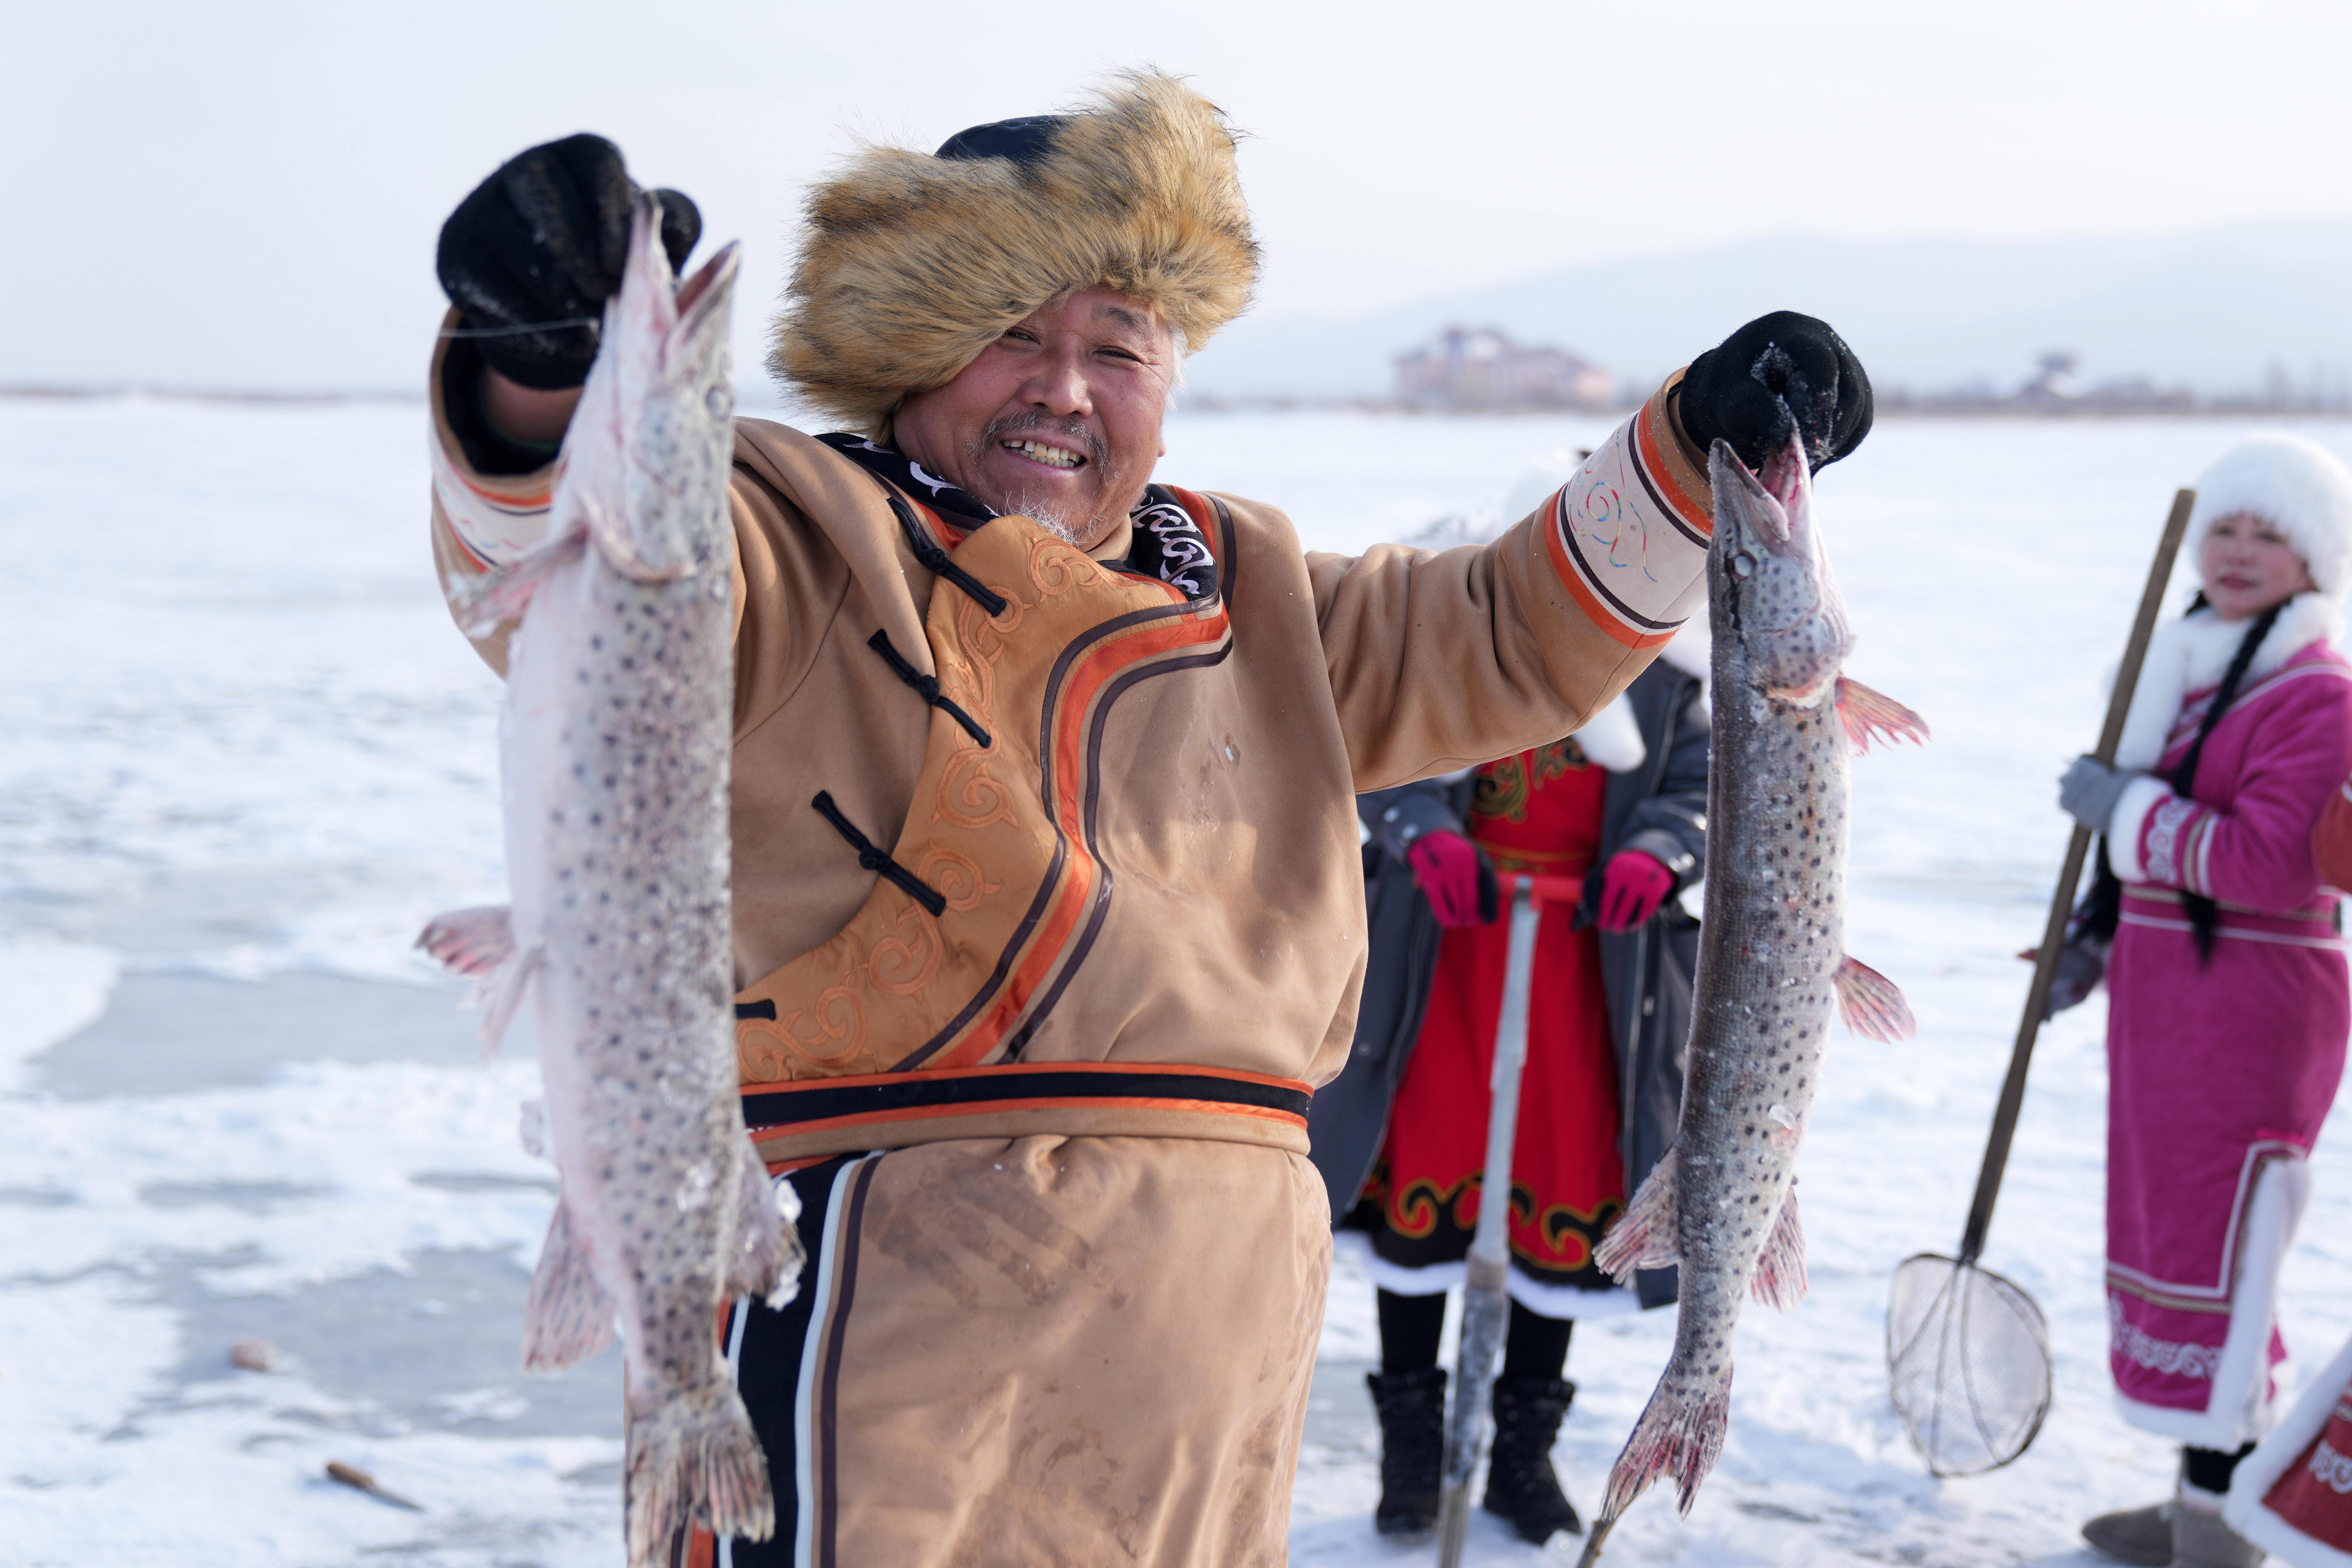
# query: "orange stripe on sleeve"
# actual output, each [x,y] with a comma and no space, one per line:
[1572,579]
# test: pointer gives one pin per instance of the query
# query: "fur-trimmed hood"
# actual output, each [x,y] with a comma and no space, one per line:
[2296,486]
[912,263]
[2193,653]
[2304,491]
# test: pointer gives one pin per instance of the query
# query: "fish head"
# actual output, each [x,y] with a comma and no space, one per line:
[664,406]
[1776,612]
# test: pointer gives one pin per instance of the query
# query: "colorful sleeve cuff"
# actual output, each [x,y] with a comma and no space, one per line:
[1629,533]
[491,518]
[2157,838]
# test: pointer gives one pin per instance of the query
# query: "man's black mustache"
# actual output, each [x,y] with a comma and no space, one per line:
[1064,432]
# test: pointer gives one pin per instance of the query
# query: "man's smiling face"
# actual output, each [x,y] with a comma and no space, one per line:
[1058,419]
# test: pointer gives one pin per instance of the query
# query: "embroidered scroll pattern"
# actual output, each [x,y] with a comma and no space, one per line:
[2167,1356]
[967,796]
[1183,552]
[879,985]
[1601,515]
[836,1019]
[957,876]
[2165,825]
[980,635]
[1056,568]
[2332,1469]
[1502,787]
[904,963]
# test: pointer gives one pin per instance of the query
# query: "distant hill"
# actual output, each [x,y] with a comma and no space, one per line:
[2215,309]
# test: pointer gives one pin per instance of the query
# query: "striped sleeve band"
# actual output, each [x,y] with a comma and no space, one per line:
[1629,533]
[492,523]
[490,520]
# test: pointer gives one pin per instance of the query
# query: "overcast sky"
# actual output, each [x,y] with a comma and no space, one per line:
[247,193]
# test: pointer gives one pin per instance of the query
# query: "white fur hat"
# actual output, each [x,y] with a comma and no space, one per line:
[2296,486]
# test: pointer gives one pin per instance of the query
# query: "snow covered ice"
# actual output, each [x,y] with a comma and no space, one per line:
[246,754]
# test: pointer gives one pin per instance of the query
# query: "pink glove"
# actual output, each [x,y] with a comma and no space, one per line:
[1633,886]
[1454,876]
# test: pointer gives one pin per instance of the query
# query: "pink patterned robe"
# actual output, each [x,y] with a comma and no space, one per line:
[2221,1073]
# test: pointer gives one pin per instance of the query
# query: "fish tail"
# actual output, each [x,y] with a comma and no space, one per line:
[1680,1434]
[1873,715]
[694,1459]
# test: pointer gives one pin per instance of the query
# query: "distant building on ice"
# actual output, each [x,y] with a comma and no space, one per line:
[2054,381]
[1480,369]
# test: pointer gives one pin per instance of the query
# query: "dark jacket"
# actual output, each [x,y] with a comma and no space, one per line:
[1659,808]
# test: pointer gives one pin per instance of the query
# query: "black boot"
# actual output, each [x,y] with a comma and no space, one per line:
[1521,1485]
[1412,1406]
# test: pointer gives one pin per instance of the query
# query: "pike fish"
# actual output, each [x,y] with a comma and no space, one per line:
[615,740]
[1772,964]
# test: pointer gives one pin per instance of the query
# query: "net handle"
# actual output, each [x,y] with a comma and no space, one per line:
[2062,899]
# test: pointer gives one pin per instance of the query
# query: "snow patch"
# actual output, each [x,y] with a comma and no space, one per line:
[54,989]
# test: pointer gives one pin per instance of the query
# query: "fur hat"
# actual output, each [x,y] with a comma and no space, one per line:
[2296,486]
[913,263]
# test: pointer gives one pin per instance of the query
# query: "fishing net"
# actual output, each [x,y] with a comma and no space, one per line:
[1969,1358]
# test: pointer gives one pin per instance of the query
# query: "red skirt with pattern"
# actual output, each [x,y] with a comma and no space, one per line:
[1536,812]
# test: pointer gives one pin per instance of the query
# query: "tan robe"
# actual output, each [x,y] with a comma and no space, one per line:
[1082,1330]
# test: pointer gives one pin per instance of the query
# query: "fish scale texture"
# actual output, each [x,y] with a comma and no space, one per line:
[1723,1201]
[616,743]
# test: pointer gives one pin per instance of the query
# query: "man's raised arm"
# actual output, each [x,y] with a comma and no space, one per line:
[1440,661]
[527,260]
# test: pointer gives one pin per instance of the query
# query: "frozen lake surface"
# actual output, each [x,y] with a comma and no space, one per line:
[246,756]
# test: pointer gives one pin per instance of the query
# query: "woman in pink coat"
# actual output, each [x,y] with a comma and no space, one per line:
[2228,994]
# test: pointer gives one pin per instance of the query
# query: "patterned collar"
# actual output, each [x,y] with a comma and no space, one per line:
[1167,544]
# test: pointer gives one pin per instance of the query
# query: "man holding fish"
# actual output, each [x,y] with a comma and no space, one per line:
[1047,912]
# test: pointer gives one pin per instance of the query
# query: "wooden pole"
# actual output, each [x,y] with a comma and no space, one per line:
[2062,899]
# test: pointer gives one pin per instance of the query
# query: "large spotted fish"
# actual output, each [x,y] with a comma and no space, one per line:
[1772,961]
[615,740]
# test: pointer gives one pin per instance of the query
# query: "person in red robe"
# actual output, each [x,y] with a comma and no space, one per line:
[1402,1137]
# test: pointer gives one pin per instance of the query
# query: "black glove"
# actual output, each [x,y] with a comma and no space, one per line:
[542,241]
[1778,372]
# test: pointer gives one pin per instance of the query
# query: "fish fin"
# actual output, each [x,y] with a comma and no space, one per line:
[570,1317]
[1779,1279]
[693,1458]
[1646,1235]
[620,552]
[768,1258]
[1872,715]
[1872,1004]
[480,943]
[530,1127]
[483,604]
[500,992]
[472,942]
[1680,1434]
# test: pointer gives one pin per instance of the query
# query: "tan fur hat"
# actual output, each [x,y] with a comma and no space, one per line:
[912,263]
